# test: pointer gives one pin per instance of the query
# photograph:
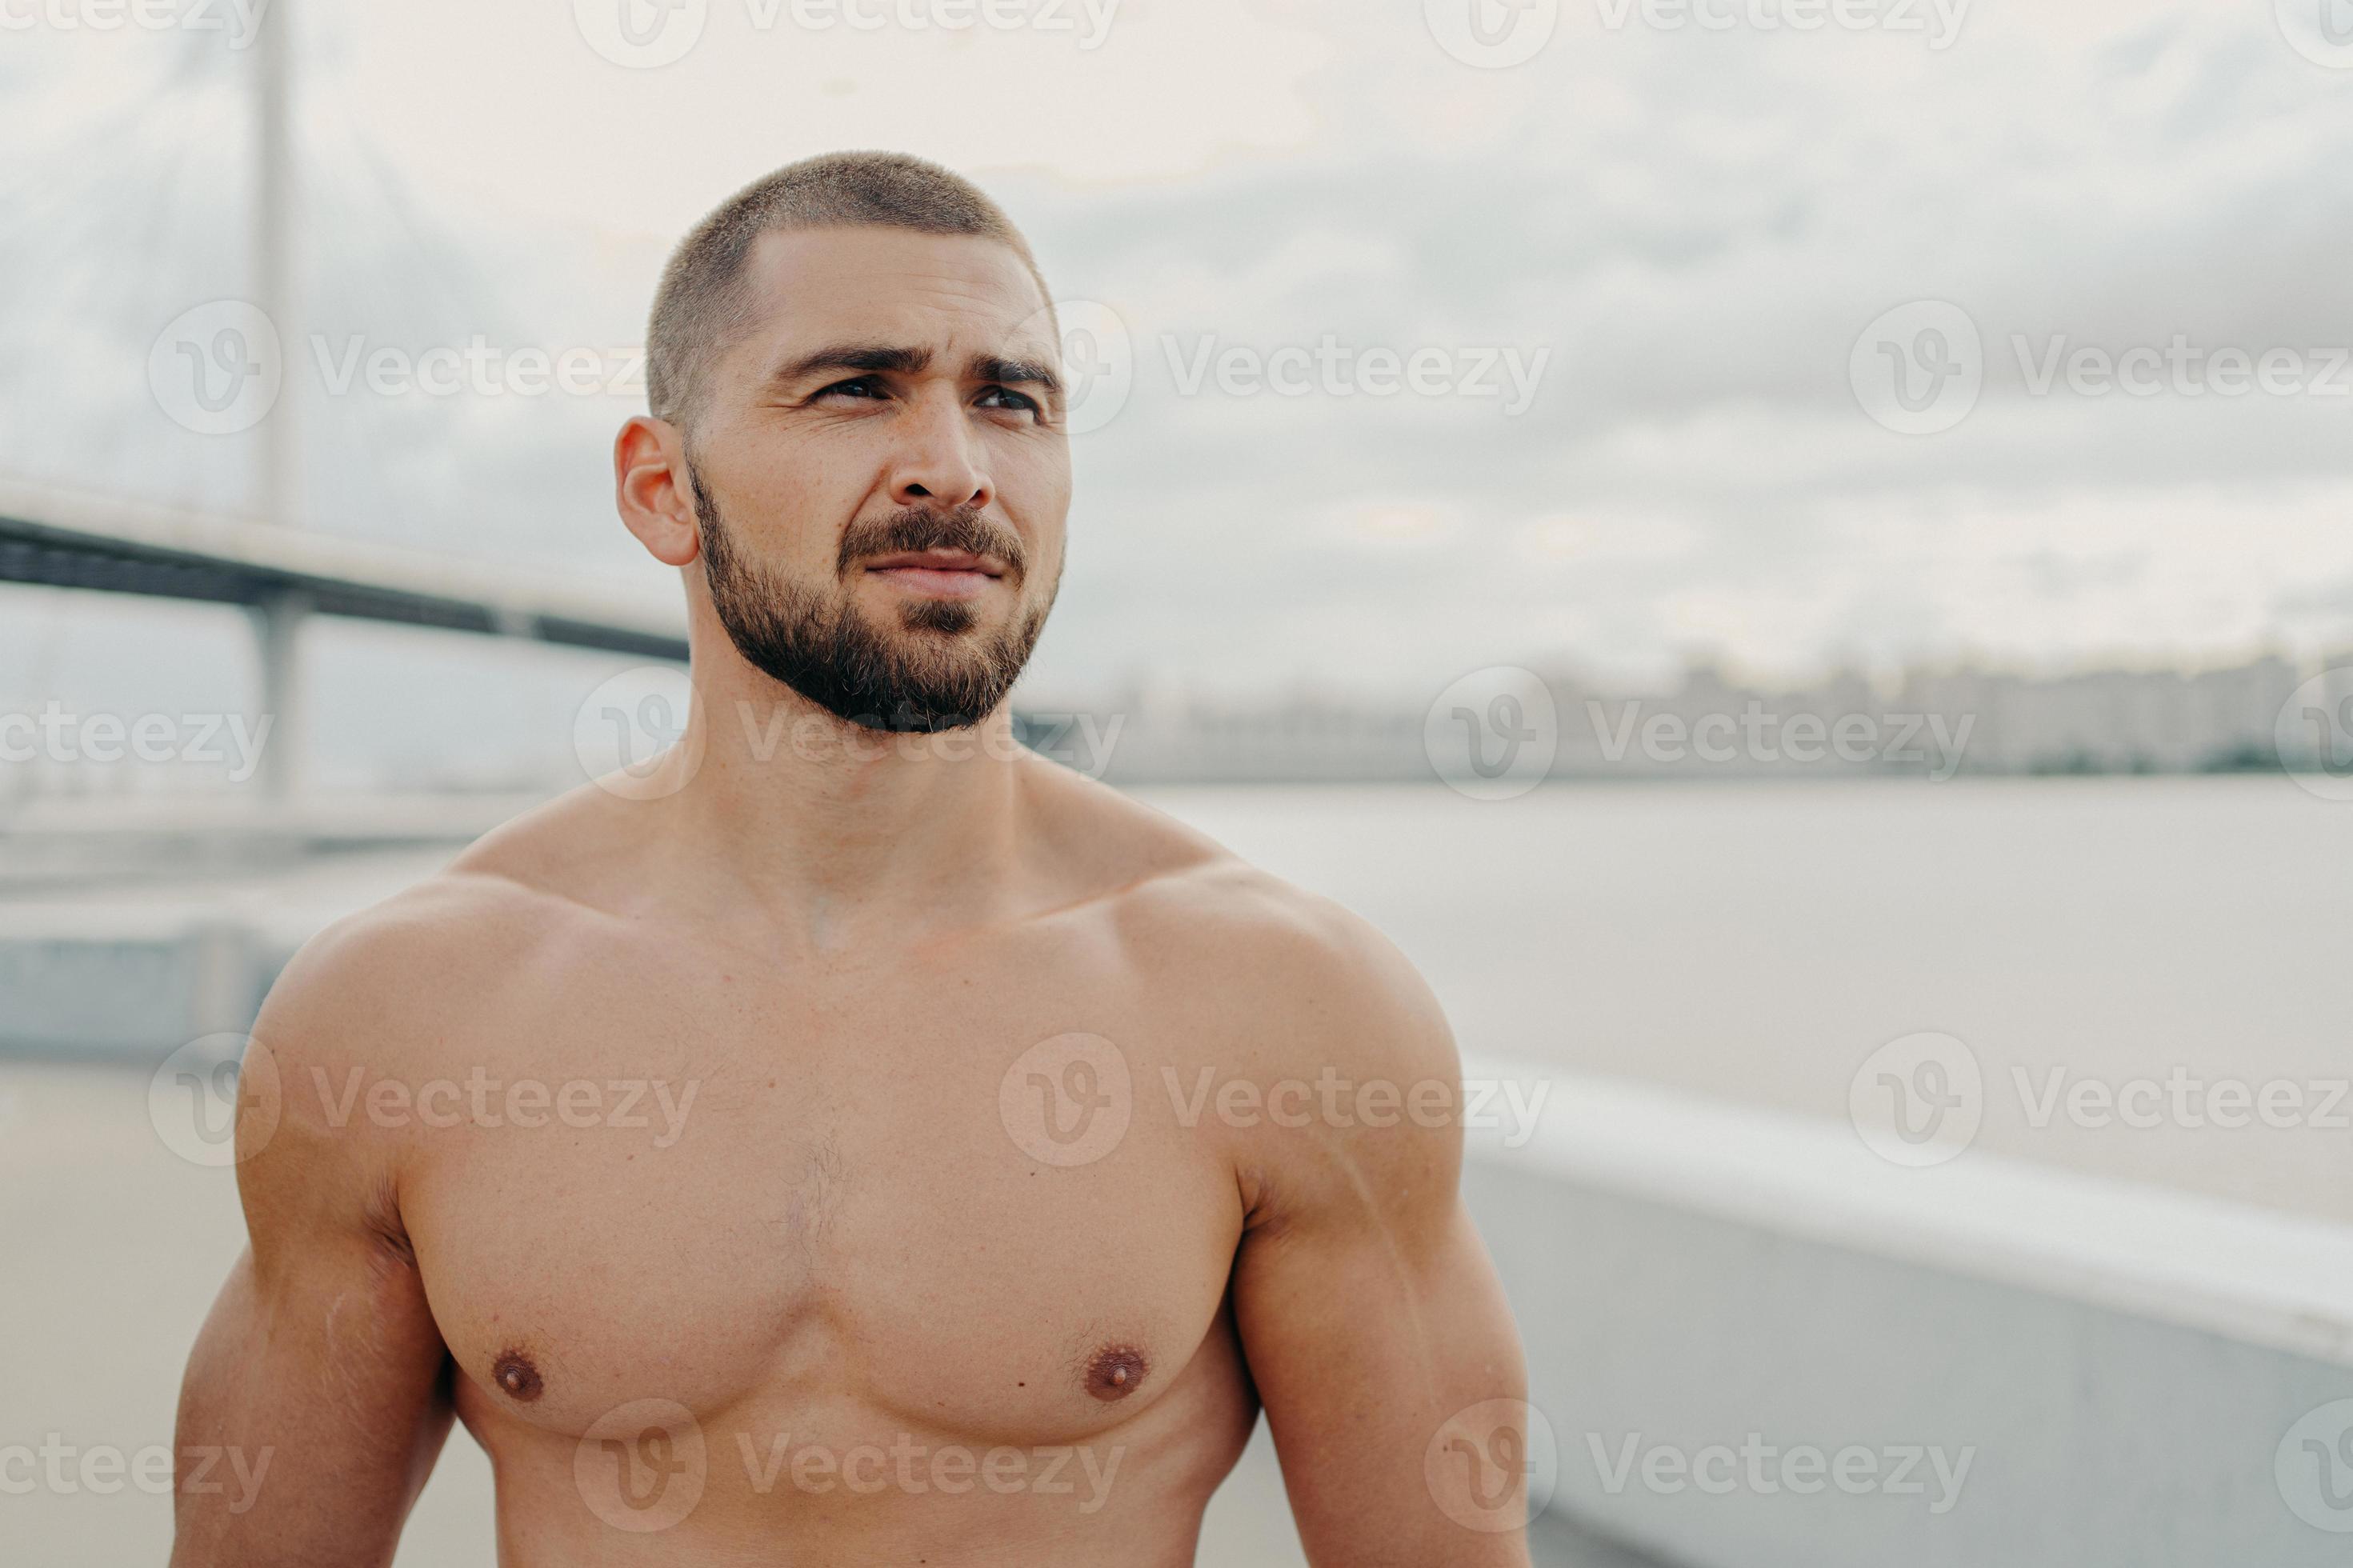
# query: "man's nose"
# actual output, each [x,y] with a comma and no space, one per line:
[937,462]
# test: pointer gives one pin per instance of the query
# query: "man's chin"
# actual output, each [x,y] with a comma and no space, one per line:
[928,678]
[914,721]
[925,697]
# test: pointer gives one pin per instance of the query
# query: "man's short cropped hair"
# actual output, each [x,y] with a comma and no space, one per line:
[703,302]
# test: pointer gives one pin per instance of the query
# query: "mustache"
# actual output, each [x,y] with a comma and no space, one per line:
[916,528]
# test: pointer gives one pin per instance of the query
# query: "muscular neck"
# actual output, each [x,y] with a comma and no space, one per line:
[837,831]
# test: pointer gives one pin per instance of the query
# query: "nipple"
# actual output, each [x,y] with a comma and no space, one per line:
[1115,1373]
[516,1376]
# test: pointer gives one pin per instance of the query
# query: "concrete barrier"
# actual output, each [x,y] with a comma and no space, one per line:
[1758,1345]
[114,982]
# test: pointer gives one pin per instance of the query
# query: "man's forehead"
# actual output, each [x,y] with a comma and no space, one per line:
[897,285]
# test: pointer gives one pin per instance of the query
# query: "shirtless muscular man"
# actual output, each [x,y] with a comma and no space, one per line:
[1005,1184]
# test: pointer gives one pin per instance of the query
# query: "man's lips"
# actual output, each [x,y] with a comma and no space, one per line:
[950,574]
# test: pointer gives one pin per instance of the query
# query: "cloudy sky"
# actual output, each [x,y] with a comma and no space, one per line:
[1427,334]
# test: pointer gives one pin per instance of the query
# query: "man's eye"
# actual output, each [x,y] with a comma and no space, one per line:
[1010,399]
[860,386]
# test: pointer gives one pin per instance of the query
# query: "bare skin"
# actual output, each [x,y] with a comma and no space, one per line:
[882,1262]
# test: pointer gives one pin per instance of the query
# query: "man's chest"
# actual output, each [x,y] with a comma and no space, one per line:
[928,1203]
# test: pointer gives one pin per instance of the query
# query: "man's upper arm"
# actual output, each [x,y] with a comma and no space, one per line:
[1375,1330]
[314,1402]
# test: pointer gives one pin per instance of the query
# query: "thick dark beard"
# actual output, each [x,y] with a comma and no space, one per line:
[826,650]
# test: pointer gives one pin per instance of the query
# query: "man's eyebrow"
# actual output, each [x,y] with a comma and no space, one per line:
[864,358]
[1013,372]
[869,359]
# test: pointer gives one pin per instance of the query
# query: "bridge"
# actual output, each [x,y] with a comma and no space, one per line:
[281,576]
[279,573]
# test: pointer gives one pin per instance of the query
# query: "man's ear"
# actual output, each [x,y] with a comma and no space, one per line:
[650,486]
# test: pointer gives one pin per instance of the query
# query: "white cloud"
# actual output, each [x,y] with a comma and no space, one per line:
[1696,228]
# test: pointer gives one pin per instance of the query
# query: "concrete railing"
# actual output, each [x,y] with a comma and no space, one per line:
[1760,1345]
[110,983]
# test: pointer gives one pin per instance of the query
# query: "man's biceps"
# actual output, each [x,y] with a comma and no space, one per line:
[1322,1290]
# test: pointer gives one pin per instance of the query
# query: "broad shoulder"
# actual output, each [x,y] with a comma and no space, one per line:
[1307,1049]
[1278,982]
[389,999]
[1286,1031]
[395,985]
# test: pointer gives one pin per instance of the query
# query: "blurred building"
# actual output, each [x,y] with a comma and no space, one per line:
[1930,722]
